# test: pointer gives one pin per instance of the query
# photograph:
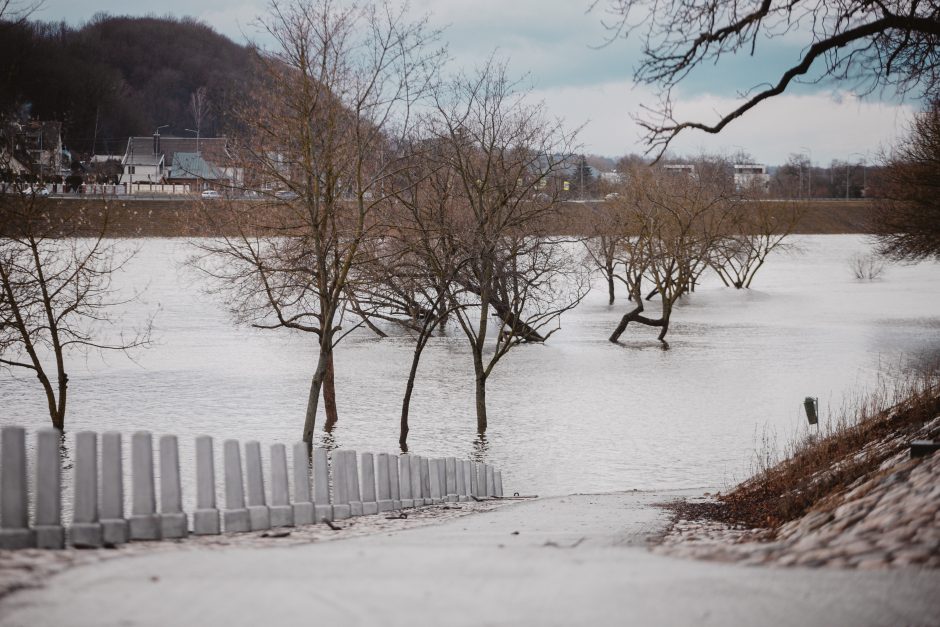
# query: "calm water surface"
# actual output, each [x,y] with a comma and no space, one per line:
[577,414]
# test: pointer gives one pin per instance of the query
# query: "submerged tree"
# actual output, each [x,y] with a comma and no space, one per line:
[755,229]
[673,222]
[499,150]
[56,295]
[907,217]
[322,142]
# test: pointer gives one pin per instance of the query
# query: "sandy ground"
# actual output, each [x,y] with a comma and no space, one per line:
[576,560]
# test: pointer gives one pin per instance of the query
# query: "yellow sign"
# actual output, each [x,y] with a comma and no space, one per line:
[567,186]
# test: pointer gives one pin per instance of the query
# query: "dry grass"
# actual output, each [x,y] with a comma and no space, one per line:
[814,468]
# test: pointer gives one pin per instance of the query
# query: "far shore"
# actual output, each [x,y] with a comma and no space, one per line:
[146,217]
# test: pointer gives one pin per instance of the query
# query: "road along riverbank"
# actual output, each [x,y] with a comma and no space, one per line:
[579,559]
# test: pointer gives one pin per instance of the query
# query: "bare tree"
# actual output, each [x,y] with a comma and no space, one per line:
[868,44]
[755,229]
[907,217]
[500,150]
[673,221]
[199,106]
[56,294]
[322,145]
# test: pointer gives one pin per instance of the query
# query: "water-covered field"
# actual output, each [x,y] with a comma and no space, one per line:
[575,414]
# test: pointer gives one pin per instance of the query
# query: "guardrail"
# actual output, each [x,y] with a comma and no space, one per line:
[344,484]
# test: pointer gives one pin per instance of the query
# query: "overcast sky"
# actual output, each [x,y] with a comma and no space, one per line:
[559,47]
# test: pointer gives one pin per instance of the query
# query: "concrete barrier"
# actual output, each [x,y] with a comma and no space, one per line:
[450,479]
[50,534]
[14,495]
[341,507]
[173,522]
[144,522]
[435,481]
[404,478]
[304,512]
[206,520]
[394,481]
[352,484]
[382,483]
[383,488]
[426,480]
[235,516]
[321,485]
[415,474]
[259,517]
[370,503]
[86,527]
[281,512]
[114,527]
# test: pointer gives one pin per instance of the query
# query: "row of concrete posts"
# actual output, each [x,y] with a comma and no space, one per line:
[361,485]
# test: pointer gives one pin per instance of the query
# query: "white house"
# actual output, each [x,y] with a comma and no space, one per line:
[751,176]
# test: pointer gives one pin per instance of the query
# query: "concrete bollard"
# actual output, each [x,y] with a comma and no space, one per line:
[370,504]
[473,479]
[459,474]
[304,513]
[282,514]
[490,481]
[173,522]
[259,517]
[467,472]
[394,484]
[415,474]
[14,497]
[86,528]
[435,481]
[323,508]
[426,480]
[206,517]
[50,534]
[352,484]
[235,516]
[404,478]
[499,483]
[144,522]
[341,508]
[450,479]
[114,527]
[383,488]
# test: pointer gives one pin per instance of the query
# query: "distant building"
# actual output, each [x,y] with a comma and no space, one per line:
[681,168]
[613,177]
[751,176]
[158,159]
[35,147]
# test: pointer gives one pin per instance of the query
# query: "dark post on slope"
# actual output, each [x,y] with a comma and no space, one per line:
[811,405]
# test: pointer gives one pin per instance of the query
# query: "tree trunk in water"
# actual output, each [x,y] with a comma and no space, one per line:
[481,393]
[635,316]
[329,395]
[313,397]
[406,401]
[610,288]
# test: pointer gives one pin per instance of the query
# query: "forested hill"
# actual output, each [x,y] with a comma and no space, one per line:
[120,75]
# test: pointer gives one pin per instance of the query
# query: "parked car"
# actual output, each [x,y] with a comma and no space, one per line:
[286,194]
[211,194]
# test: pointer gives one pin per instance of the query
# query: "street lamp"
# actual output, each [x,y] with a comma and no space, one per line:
[189,130]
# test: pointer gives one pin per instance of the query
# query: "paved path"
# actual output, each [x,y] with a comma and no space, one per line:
[576,560]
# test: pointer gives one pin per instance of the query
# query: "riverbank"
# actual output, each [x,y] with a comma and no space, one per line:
[853,497]
[579,559]
[141,217]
